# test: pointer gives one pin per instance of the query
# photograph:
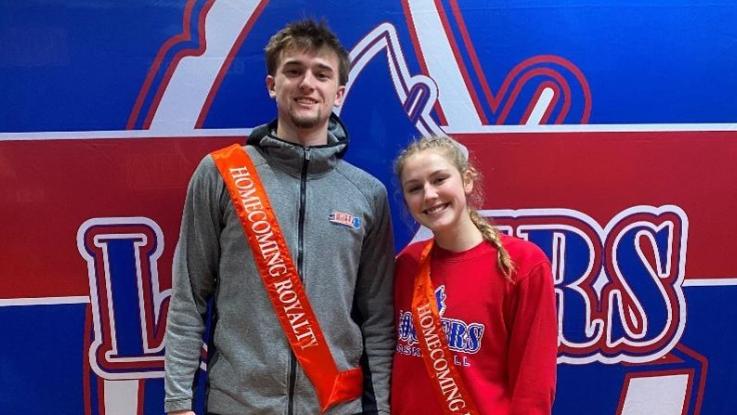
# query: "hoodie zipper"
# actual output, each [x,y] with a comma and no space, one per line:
[300,266]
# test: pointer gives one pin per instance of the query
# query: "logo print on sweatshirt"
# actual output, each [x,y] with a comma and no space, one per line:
[440,298]
[345,219]
[462,337]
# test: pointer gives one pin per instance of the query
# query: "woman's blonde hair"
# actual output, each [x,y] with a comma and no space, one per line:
[448,148]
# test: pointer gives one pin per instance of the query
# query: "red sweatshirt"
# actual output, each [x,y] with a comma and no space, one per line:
[503,335]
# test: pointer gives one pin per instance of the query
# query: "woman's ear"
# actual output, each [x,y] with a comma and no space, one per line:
[468,176]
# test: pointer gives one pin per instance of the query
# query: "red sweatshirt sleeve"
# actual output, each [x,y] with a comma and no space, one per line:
[533,343]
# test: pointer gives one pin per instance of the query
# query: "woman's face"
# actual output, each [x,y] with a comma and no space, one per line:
[435,191]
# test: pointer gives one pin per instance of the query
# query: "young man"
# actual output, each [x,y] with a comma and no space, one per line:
[335,222]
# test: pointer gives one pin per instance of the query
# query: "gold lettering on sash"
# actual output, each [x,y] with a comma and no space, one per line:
[282,282]
[270,251]
[448,385]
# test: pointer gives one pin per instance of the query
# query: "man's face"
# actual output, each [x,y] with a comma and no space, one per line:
[305,86]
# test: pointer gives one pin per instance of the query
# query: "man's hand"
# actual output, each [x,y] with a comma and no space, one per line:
[182,413]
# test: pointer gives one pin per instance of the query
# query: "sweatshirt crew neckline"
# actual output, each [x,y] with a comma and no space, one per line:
[439,253]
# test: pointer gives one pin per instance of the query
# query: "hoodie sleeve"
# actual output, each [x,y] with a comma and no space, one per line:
[374,298]
[193,282]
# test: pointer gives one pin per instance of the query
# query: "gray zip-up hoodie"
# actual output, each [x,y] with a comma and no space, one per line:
[346,271]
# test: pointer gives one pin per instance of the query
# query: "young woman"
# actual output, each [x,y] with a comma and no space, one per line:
[475,309]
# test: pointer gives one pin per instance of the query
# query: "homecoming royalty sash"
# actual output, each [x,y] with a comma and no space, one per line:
[445,378]
[281,280]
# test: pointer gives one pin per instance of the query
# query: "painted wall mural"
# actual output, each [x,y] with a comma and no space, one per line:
[606,133]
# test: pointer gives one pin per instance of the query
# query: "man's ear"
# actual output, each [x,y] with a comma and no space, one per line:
[270,84]
[339,96]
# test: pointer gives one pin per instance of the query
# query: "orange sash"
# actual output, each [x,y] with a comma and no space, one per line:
[282,282]
[446,379]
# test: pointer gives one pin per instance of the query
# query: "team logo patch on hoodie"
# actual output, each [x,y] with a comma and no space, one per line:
[345,219]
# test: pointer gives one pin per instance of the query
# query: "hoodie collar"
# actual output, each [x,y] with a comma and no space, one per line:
[290,157]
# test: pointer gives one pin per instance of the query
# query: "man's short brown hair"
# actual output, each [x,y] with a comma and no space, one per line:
[306,35]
